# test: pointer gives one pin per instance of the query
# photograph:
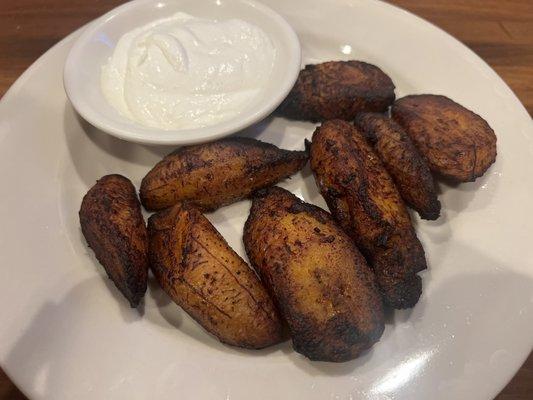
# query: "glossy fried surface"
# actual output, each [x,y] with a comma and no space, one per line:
[365,202]
[403,162]
[457,143]
[214,174]
[112,223]
[338,89]
[321,283]
[201,273]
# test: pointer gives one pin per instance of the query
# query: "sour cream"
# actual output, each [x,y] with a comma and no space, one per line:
[185,72]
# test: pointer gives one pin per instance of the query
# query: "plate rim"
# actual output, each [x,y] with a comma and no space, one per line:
[517,104]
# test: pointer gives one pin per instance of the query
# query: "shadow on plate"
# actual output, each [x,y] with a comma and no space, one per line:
[95,153]
[459,197]
[174,317]
[128,313]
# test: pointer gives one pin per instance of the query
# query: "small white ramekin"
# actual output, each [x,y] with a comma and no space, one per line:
[95,45]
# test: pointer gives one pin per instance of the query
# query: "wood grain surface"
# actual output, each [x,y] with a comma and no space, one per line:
[500,31]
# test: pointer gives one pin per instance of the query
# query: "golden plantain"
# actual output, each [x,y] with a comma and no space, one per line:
[403,162]
[457,143]
[365,202]
[215,174]
[200,272]
[321,283]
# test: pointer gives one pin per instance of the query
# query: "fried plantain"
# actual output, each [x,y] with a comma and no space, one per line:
[202,274]
[338,89]
[457,143]
[215,174]
[365,202]
[321,283]
[403,162]
[113,225]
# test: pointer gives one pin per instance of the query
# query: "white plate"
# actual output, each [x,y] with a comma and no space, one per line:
[66,333]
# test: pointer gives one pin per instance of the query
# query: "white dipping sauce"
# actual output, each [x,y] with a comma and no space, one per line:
[185,72]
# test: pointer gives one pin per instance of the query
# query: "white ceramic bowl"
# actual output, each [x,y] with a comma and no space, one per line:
[81,75]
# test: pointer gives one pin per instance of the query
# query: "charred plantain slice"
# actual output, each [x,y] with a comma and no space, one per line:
[200,272]
[112,223]
[365,202]
[403,162]
[215,174]
[338,89]
[321,283]
[457,143]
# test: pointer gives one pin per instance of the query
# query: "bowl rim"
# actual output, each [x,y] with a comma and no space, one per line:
[147,135]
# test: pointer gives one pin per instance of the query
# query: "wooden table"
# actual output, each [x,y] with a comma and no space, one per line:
[500,31]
